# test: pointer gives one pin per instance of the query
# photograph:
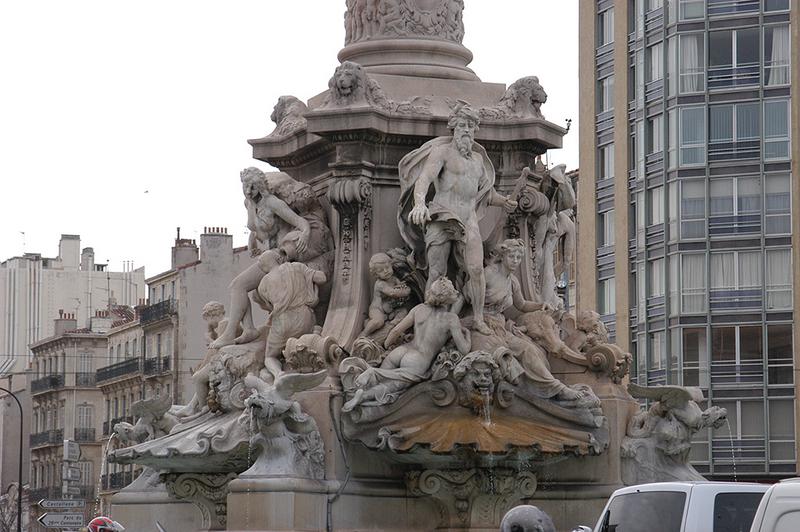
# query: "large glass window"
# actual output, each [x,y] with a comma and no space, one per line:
[656,204]
[776,129]
[695,357]
[693,208]
[693,282]
[777,204]
[776,5]
[691,9]
[735,511]
[733,58]
[655,134]
[781,431]
[734,131]
[693,136]
[780,356]
[777,55]
[734,206]
[605,27]
[606,229]
[692,63]
[606,94]
[657,271]
[658,351]
[734,345]
[655,62]
[647,510]
[736,279]
[606,162]
[607,296]
[779,278]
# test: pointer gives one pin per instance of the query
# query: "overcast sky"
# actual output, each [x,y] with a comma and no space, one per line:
[122,120]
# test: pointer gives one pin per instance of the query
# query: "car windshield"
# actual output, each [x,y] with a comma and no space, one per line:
[649,511]
[734,512]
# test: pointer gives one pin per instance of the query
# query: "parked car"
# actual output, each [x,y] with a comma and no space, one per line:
[681,507]
[779,510]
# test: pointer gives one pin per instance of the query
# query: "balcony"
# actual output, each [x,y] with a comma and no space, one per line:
[156,365]
[85,380]
[115,371]
[51,492]
[84,435]
[158,311]
[48,383]
[48,437]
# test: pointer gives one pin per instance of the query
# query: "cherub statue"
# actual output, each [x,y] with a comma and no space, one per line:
[154,421]
[389,295]
[214,316]
[434,324]
[288,439]
[659,439]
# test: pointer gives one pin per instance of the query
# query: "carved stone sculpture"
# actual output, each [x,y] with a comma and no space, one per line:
[523,99]
[407,364]
[389,295]
[526,518]
[350,86]
[286,217]
[588,331]
[432,19]
[659,439]
[445,228]
[209,492]
[310,353]
[286,439]
[155,421]
[288,116]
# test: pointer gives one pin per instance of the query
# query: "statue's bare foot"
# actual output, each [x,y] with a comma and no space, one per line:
[226,339]
[568,394]
[249,335]
[481,327]
[354,402]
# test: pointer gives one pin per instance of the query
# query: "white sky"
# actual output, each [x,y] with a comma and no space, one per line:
[102,100]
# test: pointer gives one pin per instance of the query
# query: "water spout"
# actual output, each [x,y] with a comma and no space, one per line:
[733,452]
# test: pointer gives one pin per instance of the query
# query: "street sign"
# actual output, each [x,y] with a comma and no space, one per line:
[70,490]
[72,451]
[73,474]
[61,520]
[60,504]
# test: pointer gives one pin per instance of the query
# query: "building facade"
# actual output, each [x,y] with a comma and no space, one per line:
[688,224]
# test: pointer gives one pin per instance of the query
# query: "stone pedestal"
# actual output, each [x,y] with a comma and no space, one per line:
[141,510]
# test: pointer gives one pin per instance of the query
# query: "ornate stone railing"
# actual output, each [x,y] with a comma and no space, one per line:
[50,382]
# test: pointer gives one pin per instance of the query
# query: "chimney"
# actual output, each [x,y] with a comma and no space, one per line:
[69,251]
[87,259]
[65,322]
[216,246]
[184,251]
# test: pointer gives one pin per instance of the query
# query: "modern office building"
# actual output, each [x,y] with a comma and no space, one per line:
[689,119]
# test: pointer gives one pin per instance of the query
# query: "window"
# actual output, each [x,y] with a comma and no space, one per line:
[656,201]
[734,131]
[731,7]
[85,416]
[776,129]
[657,351]
[606,229]
[607,297]
[655,62]
[692,70]
[777,55]
[158,344]
[163,292]
[736,279]
[695,357]
[733,58]
[691,9]
[648,510]
[655,134]
[605,27]
[693,282]
[86,473]
[776,5]
[777,204]
[172,290]
[779,278]
[656,267]
[606,163]
[692,136]
[693,208]
[652,5]
[133,348]
[606,94]
[780,356]
[733,345]
[734,206]
[781,433]
[85,363]
[735,511]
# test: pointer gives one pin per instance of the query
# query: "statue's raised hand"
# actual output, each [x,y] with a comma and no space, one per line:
[510,205]
[419,215]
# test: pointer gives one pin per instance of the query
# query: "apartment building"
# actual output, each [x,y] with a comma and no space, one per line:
[689,128]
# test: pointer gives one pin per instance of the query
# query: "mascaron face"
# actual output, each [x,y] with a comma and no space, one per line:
[464,127]
[512,259]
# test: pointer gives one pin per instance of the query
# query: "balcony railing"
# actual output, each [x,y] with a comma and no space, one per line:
[48,437]
[86,380]
[50,492]
[157,311]
[50,382]
[83,434]
[119,369]
[156,365]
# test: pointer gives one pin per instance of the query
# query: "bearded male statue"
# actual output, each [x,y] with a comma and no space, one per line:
[445,227]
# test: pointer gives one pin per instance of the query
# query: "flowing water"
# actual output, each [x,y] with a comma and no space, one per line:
[98,510]
[733,452]
[487,408]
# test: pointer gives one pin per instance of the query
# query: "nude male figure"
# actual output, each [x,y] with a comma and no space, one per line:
[463,178]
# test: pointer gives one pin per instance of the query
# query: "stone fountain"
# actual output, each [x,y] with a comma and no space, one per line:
[418,369]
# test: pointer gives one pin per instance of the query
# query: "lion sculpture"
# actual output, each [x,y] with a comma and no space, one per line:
[523,99]
[288,115]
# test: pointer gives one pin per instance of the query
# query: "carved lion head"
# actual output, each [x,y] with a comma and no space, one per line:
[347,84]
[288,108]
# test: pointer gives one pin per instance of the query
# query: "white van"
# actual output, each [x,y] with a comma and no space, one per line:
[779,510]
[682,507]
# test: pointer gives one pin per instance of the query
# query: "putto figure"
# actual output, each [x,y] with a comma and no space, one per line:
[446,227]
[388,295]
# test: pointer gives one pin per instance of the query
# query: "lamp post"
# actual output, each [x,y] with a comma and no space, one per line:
[19,473]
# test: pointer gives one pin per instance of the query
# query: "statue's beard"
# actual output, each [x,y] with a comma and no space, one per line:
[464,145]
